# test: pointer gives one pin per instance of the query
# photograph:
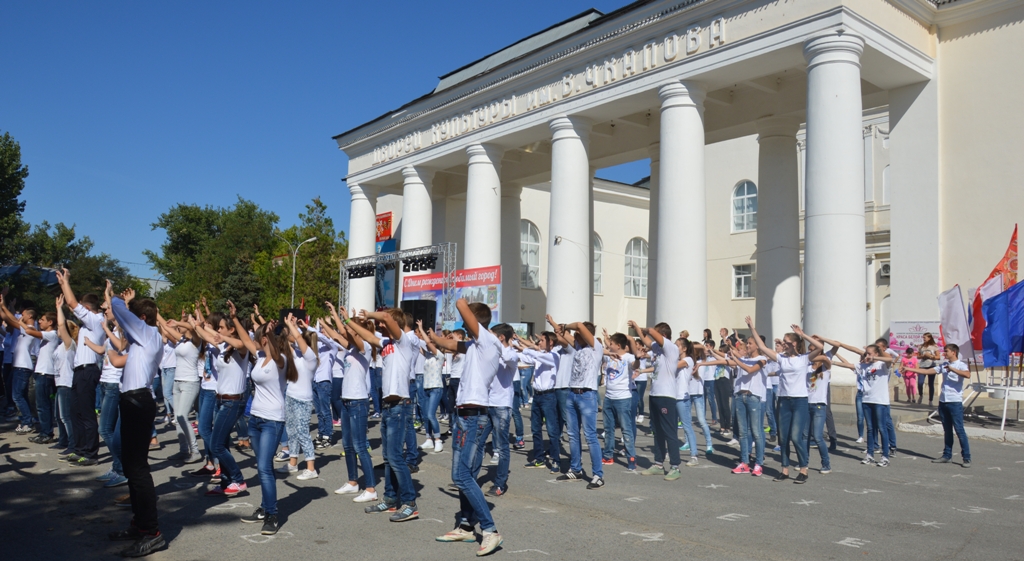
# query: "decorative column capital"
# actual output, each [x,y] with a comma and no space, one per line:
[775,127]
[362,192]
[834,46]
[418,174]
[511,191]
[682,93]
[485,154]
[563,127]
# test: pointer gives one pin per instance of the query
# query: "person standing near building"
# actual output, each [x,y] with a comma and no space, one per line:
[928,357]
[138,319]
[873,372]
[619,364]
[544,411]
[22,363]
[581,407]
[952,372]
[45,375]
[664,414]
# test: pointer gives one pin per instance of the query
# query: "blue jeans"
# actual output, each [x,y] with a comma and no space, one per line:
[890,428]
[46,389]
[395,422]
[582,410]
[204,420]
[817,412]
[353,439]
[748,417]
[683,410]
[433,399]
[859,403]
[376,387]
[264,435]
[108,423]
[793,420]
[952,415]
[697,405]
[769,410]
[638,397]
[467,445]
[322,400]
[619,412]
[419,399]
[223,421]
[709,390]
[66,438]
[498,420]
[525,385]
[412,449]
[19,387]
[875,415]
[167,385]
[545,411]
[242,420]
[517,402]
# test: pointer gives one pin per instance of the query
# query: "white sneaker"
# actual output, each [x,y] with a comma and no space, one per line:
[427,444]
[639,418]
[733,442]
[860,440]
[307,475]
[438,446]
[494,460]
[287,469]
[347,489]
[366,497]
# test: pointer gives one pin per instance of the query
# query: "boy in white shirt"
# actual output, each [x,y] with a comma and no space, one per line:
[953,372]
[619,364]
[582,405]
[501,397]
[545,405]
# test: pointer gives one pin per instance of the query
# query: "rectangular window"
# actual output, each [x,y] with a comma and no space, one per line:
[743,281]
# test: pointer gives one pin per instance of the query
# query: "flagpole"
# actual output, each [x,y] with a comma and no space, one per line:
[1006,388]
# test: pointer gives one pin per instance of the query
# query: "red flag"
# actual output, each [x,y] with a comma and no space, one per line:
[1001,278]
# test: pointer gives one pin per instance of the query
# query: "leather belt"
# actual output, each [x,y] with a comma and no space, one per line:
[470,411]
[580,391]
[229,397]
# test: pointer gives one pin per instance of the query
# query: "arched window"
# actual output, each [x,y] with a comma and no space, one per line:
[598,246]
[529,249]
[636,268]
[744,207]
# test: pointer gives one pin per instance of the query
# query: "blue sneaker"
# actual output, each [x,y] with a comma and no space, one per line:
[710,450]
[282,456]
[107,476]
[685,447]
[116,481]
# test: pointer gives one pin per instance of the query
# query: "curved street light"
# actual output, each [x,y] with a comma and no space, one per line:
[295,254]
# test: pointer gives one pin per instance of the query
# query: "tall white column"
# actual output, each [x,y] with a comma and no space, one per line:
[778,227]
[834,283]
[483,207]
[417,208]
[682,280]
[511,260]
[570,287]
[654,150]
[362,242]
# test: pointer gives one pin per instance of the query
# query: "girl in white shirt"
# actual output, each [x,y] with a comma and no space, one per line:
[687,371]
[698,386]
[299,401]
[64,363]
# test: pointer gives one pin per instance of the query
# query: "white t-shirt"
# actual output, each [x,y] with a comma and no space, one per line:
[772,367]
[696,385]
[817,385]
[186,362]
[64,362]
[398,358]
[618,374]
[952,383]
[752,382]
[47,346]
[502,393]
[204,373]
[683,379]
[327,350]
[305,363]
[356,382]
[707,373]
[793,375]
[545,366]
[23,355]
[565,360]
[230,373]
[586,366]
[458,362]
[432,372]
[663,379]
[270,381]
[91,328]
[875,376]
[483,356]
[645,363]
[108,373]
[168,360]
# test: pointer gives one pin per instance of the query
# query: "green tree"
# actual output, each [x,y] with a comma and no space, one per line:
[12,182]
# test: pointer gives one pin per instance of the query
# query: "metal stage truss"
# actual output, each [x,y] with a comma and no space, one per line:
[444,253]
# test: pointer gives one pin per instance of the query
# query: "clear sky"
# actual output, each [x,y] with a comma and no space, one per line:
[124,109]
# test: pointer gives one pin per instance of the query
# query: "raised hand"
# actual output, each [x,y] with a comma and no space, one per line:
[60,301]
[748,321]
[256,309]
[329,306]
[231,307]
[128,295]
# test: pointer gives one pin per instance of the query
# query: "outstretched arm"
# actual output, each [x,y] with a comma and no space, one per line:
[62,329]
[367,335]
[468,319]
[578,327]
[243,335]
[64,279]
[760,344]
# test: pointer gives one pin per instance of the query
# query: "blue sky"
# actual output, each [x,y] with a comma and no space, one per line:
[124,109]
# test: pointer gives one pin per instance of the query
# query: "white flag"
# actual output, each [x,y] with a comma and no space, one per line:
[953,317]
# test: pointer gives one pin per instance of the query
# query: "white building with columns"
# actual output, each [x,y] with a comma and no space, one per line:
[834,164]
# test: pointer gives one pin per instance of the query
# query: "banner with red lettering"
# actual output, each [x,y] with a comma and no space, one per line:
[475,285]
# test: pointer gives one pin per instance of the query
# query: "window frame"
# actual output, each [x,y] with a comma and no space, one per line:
[636,286]
[752,274]
[598,245]
[749,217]
[525,267]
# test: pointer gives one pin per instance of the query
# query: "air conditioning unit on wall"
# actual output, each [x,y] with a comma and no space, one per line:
[884,270]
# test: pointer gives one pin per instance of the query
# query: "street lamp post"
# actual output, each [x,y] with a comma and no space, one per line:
[295,254]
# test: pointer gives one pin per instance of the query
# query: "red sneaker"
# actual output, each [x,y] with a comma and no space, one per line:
[607,461]
[234,489]
[757,471]
[742,468]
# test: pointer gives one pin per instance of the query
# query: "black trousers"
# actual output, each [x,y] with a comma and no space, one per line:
[830,424]
[84,425]
[138,409]
[664,421]
[723,393]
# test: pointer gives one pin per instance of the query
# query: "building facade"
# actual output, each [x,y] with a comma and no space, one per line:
[834,164]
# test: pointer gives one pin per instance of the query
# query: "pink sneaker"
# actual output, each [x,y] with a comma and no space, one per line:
[757,471]
[742,468]
[234,489]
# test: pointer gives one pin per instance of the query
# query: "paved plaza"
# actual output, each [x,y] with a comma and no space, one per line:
[911,510]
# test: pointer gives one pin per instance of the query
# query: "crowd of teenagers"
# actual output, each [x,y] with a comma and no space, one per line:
[102,376]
